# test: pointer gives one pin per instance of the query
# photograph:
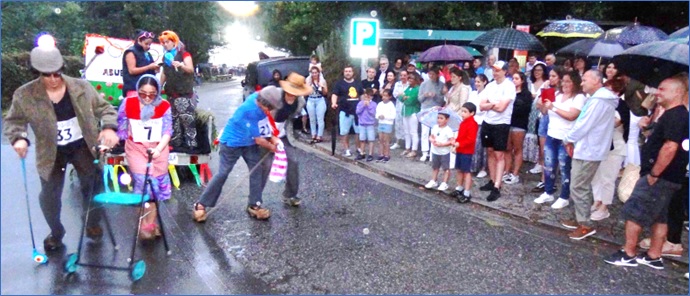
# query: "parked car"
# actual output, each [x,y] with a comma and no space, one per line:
[259,73]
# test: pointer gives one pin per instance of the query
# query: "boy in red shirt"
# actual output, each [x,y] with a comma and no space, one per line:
[464,148]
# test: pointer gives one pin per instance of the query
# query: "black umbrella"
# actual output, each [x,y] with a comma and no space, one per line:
[652,62]
[509,38]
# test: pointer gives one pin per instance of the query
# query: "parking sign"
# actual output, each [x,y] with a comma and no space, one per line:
[364,38]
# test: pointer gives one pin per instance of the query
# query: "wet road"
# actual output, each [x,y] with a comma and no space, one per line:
[356,232]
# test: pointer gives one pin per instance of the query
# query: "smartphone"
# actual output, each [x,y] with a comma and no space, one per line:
[160,64]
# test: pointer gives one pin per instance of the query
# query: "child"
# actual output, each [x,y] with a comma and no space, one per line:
[464,147]
[138,117]
[441,138]
[385,113]
[366,114]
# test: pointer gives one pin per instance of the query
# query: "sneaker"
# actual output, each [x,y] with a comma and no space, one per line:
[569,224]
[582,232]
[506,176]
[442,187]
[481,174]
[464,199]
[424,158]
[347,153]
[456,193]
[494,195]
[360,152]
[537,169]
[560,203]
[512,179]
[370,158]
[385,159]
[405,153]
[395,146]
[51,243]
[544,197]
[620,258]
[380,158]
[198,215]
[431,184]
[687,275]
[412,154]
[258,212]
[94,232]
[489,186]
[539,188]
[599,215]
[292,201]
[644,259]
[360,156]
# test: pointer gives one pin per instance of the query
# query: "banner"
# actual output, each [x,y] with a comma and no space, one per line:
[521,55]
[103,61]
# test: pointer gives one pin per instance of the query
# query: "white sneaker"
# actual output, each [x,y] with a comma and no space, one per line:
[544,197]
[560,203]
[395,146]
[537,169]
[443,186]
[599,215]
[512,179]
[507,176]
[424,157]
[481,174]
[347,153]
[431,184]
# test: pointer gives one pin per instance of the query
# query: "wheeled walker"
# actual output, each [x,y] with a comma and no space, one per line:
[107,198]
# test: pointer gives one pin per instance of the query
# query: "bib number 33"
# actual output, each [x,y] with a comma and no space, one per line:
[68,131]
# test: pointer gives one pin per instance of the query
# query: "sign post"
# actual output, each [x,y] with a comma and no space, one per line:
[364,40]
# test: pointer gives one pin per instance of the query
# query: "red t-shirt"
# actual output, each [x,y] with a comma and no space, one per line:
[467,136]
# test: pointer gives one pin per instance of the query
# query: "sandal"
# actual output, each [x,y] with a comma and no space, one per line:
[258,212]
[319,140]
[199,215]
[147,231]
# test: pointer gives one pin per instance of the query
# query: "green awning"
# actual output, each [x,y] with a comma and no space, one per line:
[473,51]
[429,34]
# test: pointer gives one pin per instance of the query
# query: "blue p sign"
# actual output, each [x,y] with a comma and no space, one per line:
[364,41]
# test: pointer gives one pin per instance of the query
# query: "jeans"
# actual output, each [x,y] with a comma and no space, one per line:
[228,158]
[555,155]
[316,107]
[90,180]
[411,133]
[292,177]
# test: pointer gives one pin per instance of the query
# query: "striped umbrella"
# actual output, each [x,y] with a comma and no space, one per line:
[652,62]
[571,28]
[509,38]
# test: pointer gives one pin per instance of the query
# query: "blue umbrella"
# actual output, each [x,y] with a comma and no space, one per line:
[652,62]
[445,53]
[637,34]
[682,33]
[429,117]
[571,28]
[600,48]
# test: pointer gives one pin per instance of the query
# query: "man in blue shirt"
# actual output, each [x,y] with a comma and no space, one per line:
[242,136]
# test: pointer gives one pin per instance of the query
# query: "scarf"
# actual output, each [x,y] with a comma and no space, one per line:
[147,110]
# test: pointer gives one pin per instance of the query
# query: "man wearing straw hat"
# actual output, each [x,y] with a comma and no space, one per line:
[292,91]
[63,113]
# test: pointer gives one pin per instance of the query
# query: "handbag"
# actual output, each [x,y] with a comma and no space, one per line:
[631,174]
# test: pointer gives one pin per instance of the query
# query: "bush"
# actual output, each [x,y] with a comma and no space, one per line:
[16,71]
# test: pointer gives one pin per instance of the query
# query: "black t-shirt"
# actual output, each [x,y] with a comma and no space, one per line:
[348,95]
[522,106]
[672,126]
[64,111]
[374,84]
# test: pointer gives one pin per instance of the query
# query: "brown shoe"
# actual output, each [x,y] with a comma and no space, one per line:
[199,215]
[582,232]
[94,232]
[569,224]
[258,212]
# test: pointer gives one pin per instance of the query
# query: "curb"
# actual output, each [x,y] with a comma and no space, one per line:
[304,145]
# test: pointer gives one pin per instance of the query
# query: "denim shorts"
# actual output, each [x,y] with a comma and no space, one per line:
[463,162]
[543,126]
[347,122]
[367,133]
[385,128]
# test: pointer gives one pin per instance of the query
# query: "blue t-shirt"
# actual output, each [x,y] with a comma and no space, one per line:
[244,125]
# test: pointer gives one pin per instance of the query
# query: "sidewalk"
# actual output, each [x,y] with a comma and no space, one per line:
[516,199]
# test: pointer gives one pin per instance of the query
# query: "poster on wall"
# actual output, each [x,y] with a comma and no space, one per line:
[103,64]
[521,55]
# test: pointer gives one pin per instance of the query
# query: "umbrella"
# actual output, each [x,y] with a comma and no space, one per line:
[571,28]
[637,34]
[652,62]
[600,48]
[682,33]
[509,38]
[429,117]
[445,53]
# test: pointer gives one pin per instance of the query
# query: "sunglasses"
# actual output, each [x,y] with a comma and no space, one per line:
[147,95]
[57,74]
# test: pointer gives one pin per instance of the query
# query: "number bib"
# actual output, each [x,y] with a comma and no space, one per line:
[265,128]
[148,131]
[68,131]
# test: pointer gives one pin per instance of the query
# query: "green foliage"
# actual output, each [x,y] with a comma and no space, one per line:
[16,71]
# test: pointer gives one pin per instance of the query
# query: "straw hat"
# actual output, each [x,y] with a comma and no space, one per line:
[295,84]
